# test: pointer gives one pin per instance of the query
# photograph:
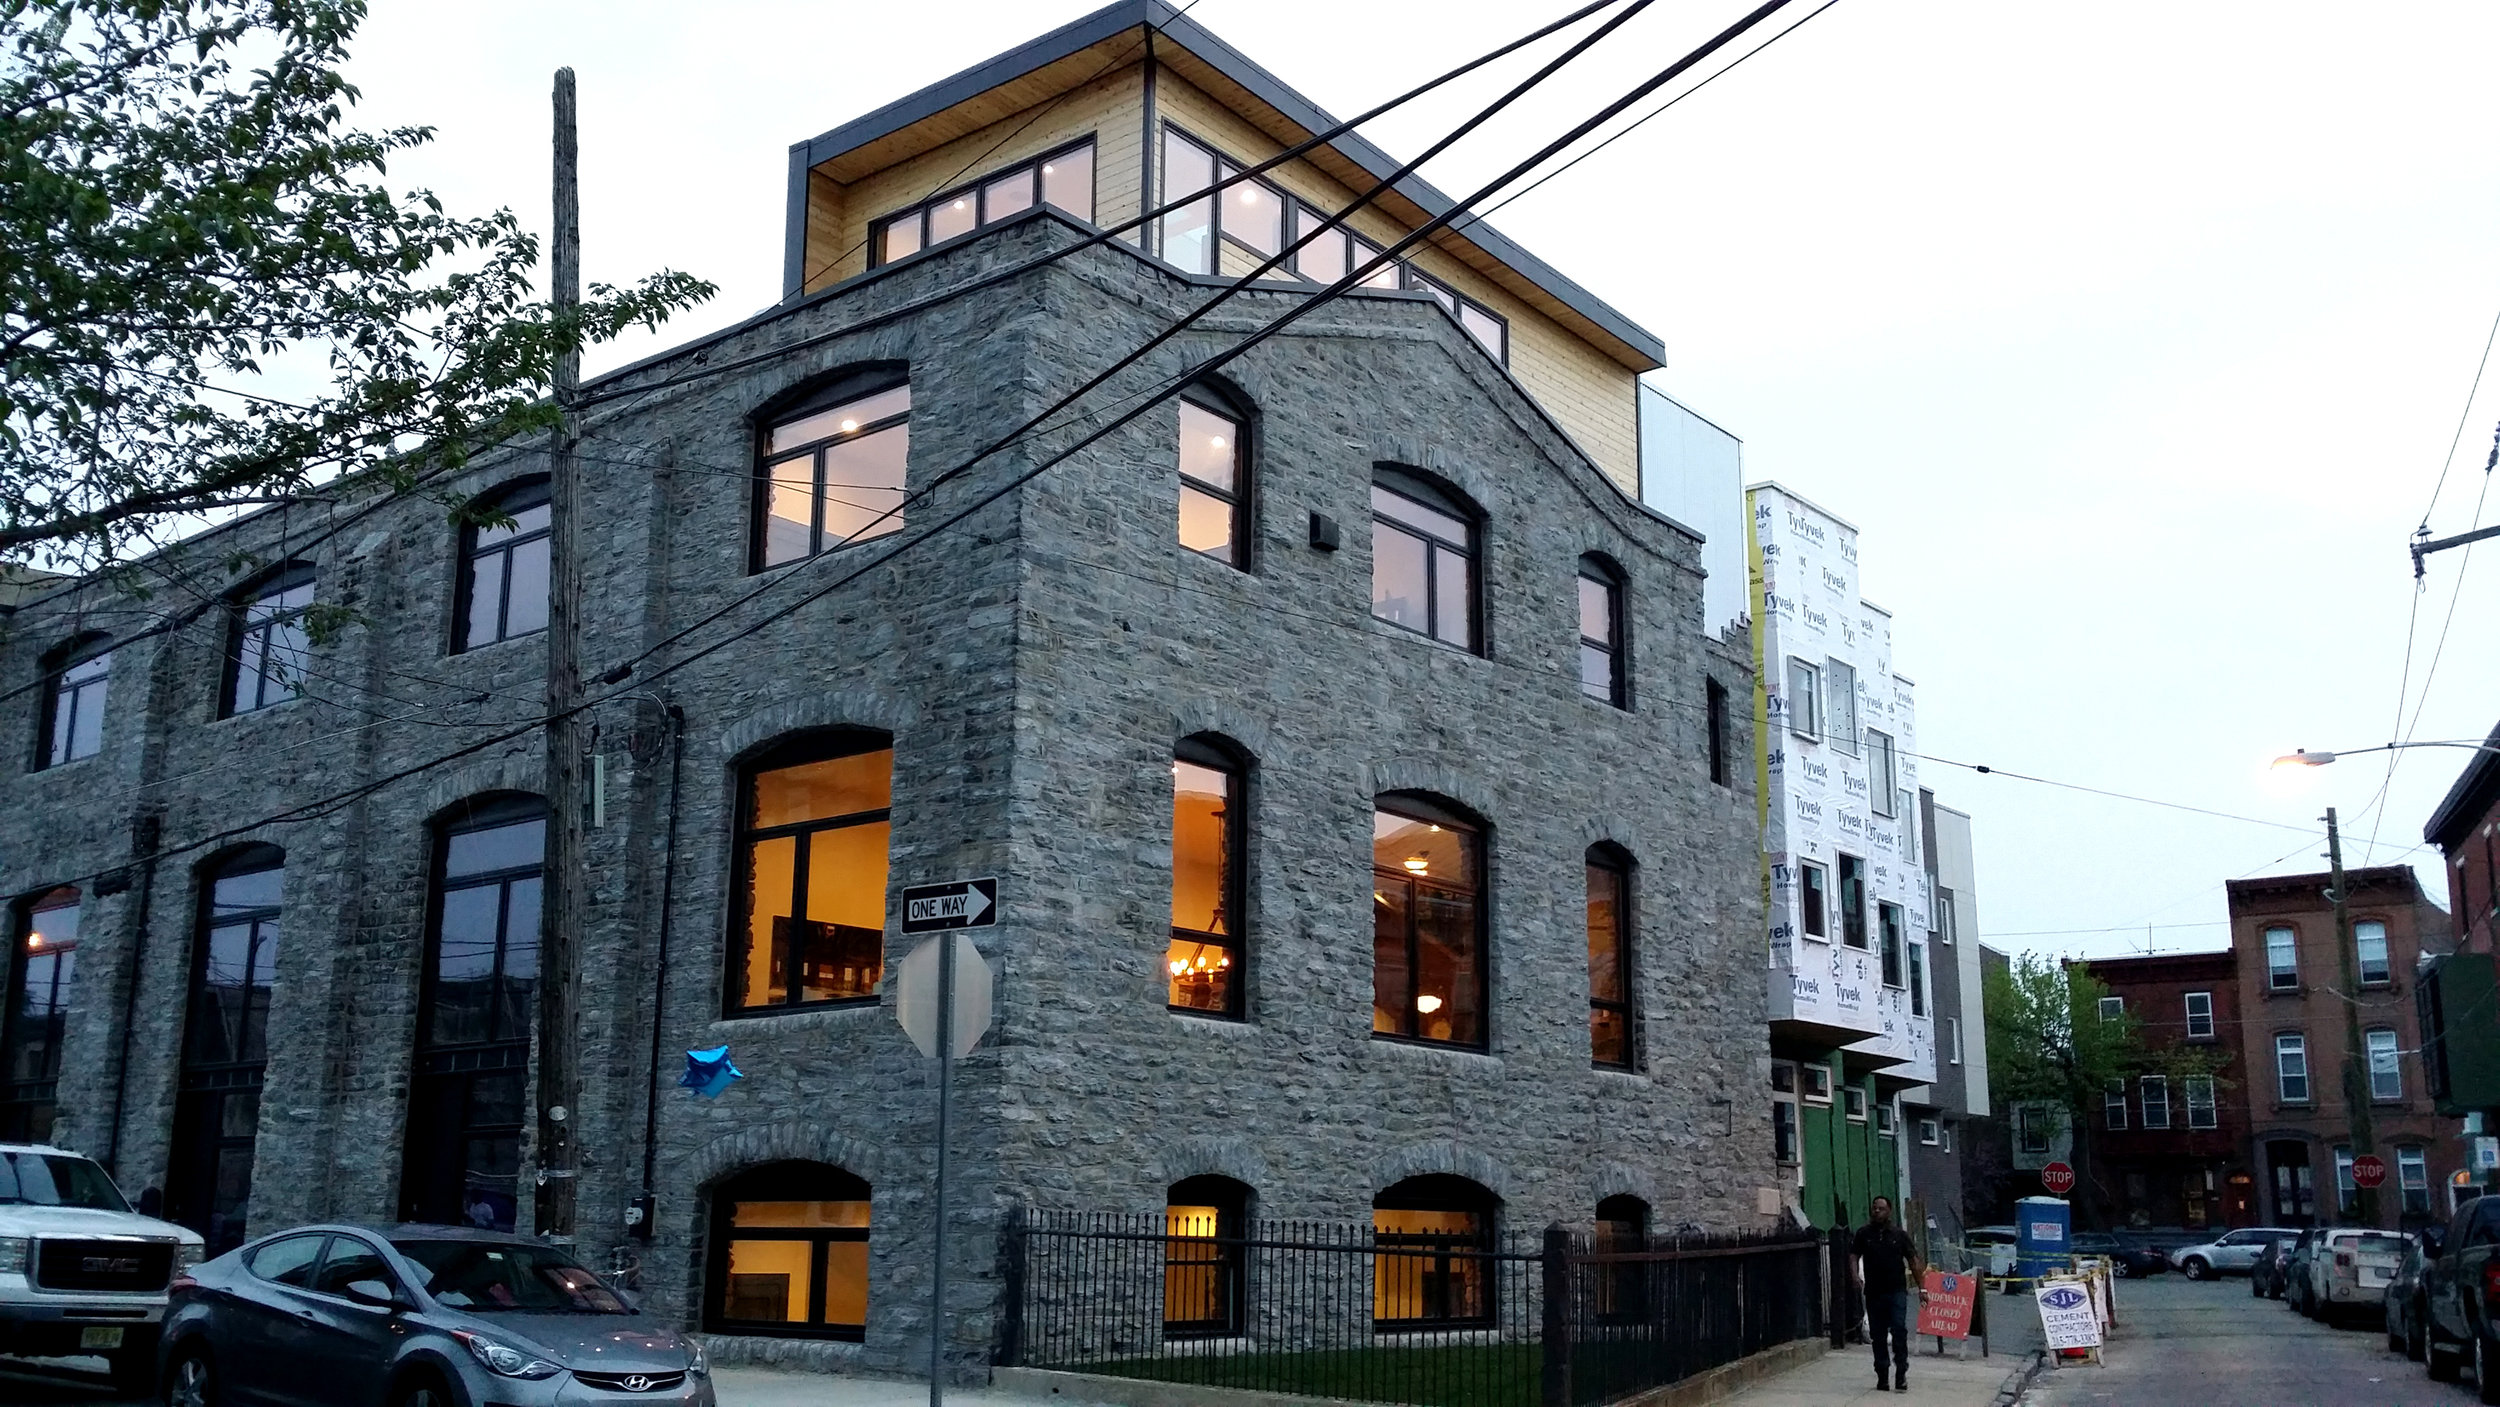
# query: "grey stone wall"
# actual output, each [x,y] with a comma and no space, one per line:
[1035,665]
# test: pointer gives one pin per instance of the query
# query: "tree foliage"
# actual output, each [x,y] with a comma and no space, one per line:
[2049,1043]
[186,209]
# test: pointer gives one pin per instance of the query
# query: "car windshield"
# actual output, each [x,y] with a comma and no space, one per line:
[57,1180]
[496,1277]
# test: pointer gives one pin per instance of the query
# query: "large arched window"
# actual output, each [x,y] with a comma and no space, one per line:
[1204,1266]
[42,969]
[225,1051]
[1203,964]
[1611,1009]
[1603,676]
[1215,476]
[1434,1235]
[1425,569]
[469,1091]
[814,829]
[832,466]
[1428,949]
[789,1253]
[265,663]
[504,570]
[73,707]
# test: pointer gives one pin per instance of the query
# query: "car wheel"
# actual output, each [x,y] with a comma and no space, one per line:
[2414,1335]
[2118,1270]
[422,1390]
[193,1382]
[134,1371]
[2441,1364]
[2395,1330]
[2198,1268]
[2486,1385]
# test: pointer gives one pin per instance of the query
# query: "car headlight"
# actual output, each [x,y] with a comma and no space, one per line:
[16,1253]
[696,1363]
[187,1255]
[504,1360]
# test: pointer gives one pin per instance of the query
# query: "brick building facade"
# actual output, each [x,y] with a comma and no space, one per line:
[1317,882]
[2167,1150]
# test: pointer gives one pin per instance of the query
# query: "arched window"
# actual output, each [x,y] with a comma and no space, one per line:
[1215,476]
[1611,1009]
[265,664]
[504,570]
[832,466]
[1602,673]
[469,1090]
[814,829]
[1204,961]
[1433,1234]
[73,708]
[42,969]
[1424,559]
[1204,1267]
[1622,1225]
[1428,950]
[234,975]
[789,1253]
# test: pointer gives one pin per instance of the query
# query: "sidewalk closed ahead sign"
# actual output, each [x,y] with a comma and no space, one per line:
[1945,1314]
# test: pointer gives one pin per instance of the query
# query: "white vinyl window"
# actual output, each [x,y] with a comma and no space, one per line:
[1805,699]
[1930,1132]
[2113,1007]
[2114,1105]
[2200,1101]
[2291,1067]
[2156,1101]
[2369,937]
[2200,1016]
[2282,960]
[2387,1080]
[1818,1083]
[1954,1024]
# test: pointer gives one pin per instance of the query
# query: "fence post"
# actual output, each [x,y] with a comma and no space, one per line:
[1009,1350]
[1839,1270]
[1556,1384]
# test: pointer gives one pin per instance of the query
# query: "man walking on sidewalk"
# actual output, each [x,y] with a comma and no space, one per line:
[1884,1259]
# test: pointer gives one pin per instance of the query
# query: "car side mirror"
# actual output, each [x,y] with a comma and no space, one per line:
[374,1294]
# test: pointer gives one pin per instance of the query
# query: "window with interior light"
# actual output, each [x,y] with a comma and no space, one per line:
[1435,1235]
[1215,476]
[269,644]
[831,466]
[1600,589]
[1424,549]
[1612,1021]
[42,970]
[1205,1269]
[1428,950]
[1062,179]
[789,1253]
[504,567]
[1202,966]
[815,826]
[1248,215]
[73,707]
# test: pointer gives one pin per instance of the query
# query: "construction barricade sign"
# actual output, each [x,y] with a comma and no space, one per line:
[2068,1316]
[1945,1313]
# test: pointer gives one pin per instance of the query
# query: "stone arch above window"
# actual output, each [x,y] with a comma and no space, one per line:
[866,708]
[504,567]
[788,1252]
[830,462]
[1441,1157]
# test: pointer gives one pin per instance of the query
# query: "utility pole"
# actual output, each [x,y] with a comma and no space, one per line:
[567,892]
[2356,1075]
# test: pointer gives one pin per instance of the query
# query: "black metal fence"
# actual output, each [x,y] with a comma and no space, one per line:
[1418,1318]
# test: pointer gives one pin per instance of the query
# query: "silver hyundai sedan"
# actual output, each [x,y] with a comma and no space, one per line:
[415,1316]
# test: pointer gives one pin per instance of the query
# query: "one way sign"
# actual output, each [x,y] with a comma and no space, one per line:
[966,903]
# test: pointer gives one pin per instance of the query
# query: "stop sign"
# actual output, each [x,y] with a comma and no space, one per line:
[2058,1178]
[2369,1170]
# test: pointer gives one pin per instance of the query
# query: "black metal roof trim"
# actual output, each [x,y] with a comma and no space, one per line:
[1232,63]
[2467,799]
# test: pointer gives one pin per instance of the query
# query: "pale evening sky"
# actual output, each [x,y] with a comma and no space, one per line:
[2131,336]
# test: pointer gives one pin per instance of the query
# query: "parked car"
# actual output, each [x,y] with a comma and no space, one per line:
[2231,1253]
[2125,1259]
[2348,1266]
[2460,1287]
[80,1272]
[2402,1308]
[1991,1248]
[2265,1278]
[2296,1270]
[415,1316]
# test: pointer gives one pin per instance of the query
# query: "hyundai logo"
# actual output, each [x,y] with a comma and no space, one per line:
[636,1382]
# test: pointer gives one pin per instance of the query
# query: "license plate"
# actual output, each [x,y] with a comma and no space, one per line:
[99,1337]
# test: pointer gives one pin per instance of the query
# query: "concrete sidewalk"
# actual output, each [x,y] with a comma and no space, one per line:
[770,1387]
[1847,1375]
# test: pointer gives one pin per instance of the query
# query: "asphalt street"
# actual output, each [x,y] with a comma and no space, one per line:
[2185,1344]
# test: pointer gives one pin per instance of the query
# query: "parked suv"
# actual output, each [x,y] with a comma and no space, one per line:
[2229,1254]
[2460,1295]
[2350,1266]
[80,1272]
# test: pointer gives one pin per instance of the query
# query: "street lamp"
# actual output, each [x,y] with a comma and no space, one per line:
[2306,758]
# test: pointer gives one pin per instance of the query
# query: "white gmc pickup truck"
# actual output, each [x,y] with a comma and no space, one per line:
[81,1274]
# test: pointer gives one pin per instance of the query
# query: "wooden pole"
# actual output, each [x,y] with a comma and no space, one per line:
[566,896]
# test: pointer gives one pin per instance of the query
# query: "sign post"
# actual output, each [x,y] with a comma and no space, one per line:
[942,1000]
[2369,1170]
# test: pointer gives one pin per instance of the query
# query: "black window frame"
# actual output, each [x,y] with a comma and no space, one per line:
[211,1086]
[1216,402]
[1607,577]
[786,1177]
[30,1097]
[242,628]
[1224,1251]
[1714,701]
[1219,754]
[1892,941]
[510,500]
[1414,807]
[1223,168]
[824,394]
[1814,901]
[979,188]
[1850,891]
[1917,953]
[1441,1192]
[798,750]
[1406,484]
[1615,862]
[55,745]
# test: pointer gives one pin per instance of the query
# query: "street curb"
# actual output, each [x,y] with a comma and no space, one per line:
[2011,1390]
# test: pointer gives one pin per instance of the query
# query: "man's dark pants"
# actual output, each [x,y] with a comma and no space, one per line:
[1888,1328]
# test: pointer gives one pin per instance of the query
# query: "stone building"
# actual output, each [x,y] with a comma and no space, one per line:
[2292,1003]
[1368,635]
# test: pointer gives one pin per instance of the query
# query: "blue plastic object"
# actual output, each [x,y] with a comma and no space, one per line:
[2043,1236]
[708,1072]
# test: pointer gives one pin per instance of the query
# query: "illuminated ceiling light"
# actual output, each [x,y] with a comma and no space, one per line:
[1179,967]
[959,205]
[1047,169]
[1217,441]
[1417,864]
[34,940]
[1427,1004]
[849,425]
